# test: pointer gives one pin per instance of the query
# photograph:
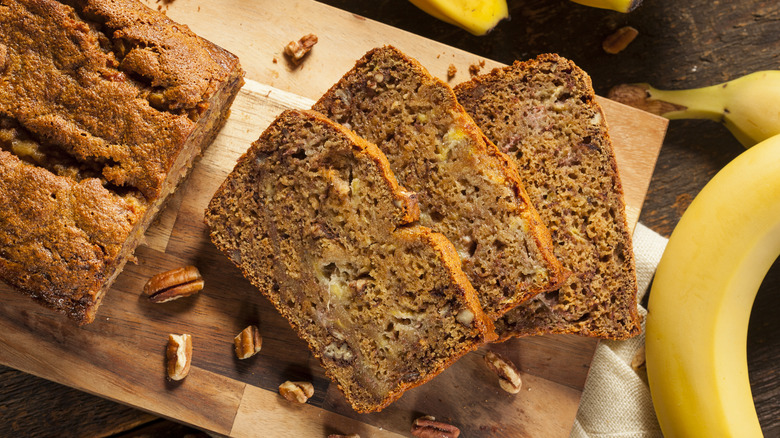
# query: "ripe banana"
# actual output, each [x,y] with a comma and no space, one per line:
[615,5]
[475,16]
[748,106]
[702,295]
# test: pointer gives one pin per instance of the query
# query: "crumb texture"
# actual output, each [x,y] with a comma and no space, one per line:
[543,114]
[315,219]
[101,104]
[467,189]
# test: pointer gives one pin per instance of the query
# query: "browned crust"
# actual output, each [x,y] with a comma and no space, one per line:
[437,241]
[495,78]
[505,165]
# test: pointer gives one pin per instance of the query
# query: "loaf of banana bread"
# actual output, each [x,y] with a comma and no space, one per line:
[543,114]
[104,105]
[313,216]
[467,189]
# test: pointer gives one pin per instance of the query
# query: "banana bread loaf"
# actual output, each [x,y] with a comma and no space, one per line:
[314,218]
[543,114]
[467,189]
[104,105]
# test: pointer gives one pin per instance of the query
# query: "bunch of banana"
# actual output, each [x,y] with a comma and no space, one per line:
[615,5]
[702,295]
[747,106]
[475,16]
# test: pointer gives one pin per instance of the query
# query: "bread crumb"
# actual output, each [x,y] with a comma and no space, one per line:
[476,67]
[451,71]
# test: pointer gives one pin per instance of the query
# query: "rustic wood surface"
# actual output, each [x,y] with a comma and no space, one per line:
[680,45]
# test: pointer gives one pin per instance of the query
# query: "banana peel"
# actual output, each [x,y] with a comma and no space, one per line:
[748,106]
[702,295]
[476,16]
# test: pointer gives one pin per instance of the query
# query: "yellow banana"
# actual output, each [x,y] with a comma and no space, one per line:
[475,16]
[747,106]
[702,295]
[615,5]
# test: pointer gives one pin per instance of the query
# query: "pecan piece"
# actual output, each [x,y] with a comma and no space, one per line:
[179,355]
[619,40]
[174,284]
[296,50]
[428,427]
[508,376]
[248,342]
[298,392]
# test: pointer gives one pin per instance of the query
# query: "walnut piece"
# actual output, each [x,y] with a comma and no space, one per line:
[174,284]
[428,427]
[179,355]
[298,392]
[508,376]
[248,342]
[297,50]
[619,40]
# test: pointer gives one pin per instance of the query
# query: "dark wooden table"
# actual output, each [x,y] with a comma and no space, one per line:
[680,45]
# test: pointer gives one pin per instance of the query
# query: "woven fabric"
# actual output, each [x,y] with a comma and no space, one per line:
[616,400]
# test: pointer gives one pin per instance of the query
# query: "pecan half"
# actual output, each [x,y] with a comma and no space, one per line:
[296,50]
[298,392]
[248,342]
[428,427]
[174,284]
[508,376]
[179,355]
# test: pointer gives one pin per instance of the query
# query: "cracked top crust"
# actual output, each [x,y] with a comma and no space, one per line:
[110,82]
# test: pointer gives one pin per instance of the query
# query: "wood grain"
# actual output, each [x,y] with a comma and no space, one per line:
[120,356]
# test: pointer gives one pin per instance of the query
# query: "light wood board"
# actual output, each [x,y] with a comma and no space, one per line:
[121,355]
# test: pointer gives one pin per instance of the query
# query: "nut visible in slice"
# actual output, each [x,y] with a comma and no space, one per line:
[298,392]
[174,284]
[296,50]
[508,376]
[428,427]
[179,355]
[248,342]
[352,435]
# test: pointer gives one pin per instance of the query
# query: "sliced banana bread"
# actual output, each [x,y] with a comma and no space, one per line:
[467,189]
[543,114]
[315,219]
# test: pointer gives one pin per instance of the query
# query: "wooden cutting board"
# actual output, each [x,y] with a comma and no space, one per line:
[121,355]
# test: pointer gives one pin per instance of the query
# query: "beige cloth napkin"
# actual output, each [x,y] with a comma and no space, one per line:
[616,399]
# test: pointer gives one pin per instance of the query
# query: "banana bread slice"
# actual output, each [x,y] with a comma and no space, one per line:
[104,105]
[467,189]
[544,115]
[314,218]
